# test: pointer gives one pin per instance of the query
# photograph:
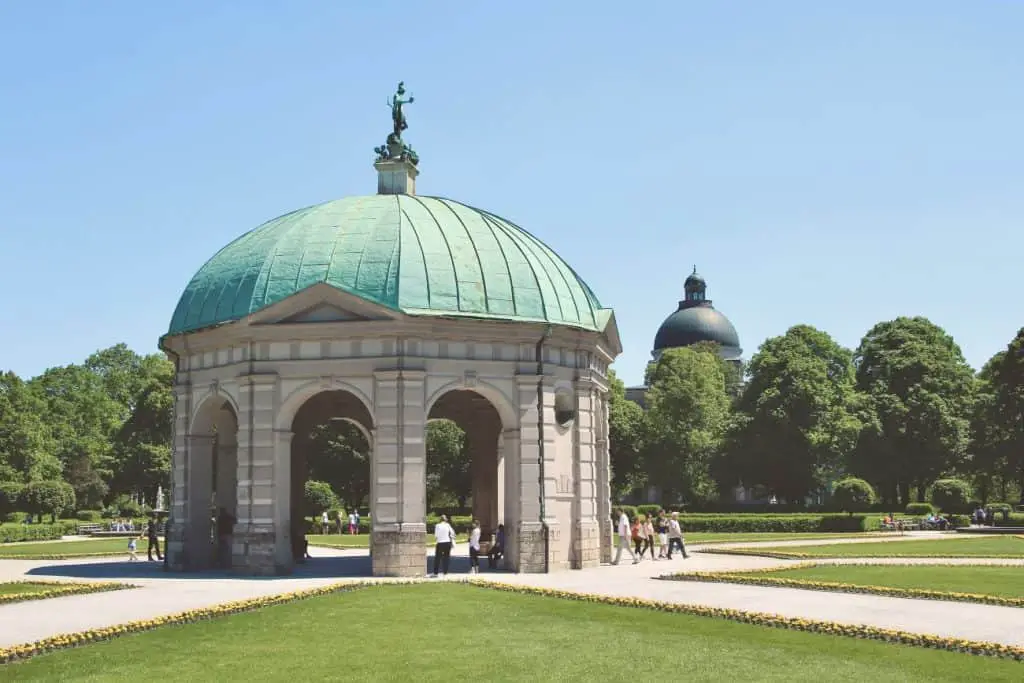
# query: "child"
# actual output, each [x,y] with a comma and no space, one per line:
[474,548]
[132,545]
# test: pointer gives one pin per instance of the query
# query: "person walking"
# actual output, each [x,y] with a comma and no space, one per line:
[675,536]
[153,539]
[352,523]
[132,546]
[624,538]
[639,536]
[474,548]
[649,540]
[662,528]
[339,520]
[356,531]
[444,539]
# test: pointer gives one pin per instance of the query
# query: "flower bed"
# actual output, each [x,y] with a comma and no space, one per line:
[757,577]
[777,621]
[57,590]
[69,640]
[52,556]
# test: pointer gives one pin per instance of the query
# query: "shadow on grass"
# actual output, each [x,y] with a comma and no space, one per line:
[350,566]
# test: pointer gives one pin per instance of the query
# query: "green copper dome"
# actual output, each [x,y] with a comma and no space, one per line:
[414,254]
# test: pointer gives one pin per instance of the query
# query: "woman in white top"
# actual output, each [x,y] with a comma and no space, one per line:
[444,537]
[474,548]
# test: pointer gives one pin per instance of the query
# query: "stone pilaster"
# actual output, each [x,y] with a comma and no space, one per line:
[177,520]
[398,489]
[586,541]
[197,532]
[527,537]
[603,479]
[261,543]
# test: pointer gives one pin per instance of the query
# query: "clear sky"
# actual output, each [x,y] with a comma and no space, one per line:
[829,163]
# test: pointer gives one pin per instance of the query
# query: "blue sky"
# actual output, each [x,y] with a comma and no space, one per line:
[835,164]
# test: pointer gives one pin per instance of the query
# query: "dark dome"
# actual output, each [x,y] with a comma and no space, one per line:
[696,324]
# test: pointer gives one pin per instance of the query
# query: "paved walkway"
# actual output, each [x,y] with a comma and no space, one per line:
[163,594]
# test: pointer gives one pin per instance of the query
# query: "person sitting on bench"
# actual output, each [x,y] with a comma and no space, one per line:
[497,550]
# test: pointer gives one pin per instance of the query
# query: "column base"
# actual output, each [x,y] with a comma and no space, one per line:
[586,551]
[254,552]
[605,540]
[530,548]
[399,552]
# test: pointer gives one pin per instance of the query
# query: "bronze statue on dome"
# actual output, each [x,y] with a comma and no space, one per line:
[397,115]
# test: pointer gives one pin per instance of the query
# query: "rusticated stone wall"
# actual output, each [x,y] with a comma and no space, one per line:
[399,553]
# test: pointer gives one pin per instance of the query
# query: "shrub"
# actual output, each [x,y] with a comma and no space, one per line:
[318,496]
[10,496]
[630,511]
[919,509]
[16,533]
[951,495]
[779,523]
[853,495]
[88,516]
[648,510]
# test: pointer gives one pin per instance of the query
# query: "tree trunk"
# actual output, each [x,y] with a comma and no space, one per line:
[904,491]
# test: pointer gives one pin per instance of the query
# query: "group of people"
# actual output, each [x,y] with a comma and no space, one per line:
[352,520]
[638,537]
[152,538]
[444,541]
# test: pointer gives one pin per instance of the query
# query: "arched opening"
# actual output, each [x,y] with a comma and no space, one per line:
[479,482]
[212,486]
[331,451]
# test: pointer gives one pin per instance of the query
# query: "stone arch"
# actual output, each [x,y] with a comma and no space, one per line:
[201,414]
[502,404]
[485,417]
[322,403]
[294,401]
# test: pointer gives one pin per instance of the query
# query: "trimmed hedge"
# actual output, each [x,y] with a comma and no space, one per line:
[779,523]
[16,533]
[919,509]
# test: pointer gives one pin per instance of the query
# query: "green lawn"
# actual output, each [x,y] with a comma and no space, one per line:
[1007,582]
[100,546]
[23,588]
[991,546]
[455,632]
[718,537]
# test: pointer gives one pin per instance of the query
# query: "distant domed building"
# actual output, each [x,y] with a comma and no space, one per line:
[695,321]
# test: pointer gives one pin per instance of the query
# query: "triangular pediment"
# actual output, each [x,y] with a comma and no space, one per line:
[322,303]
[323,313]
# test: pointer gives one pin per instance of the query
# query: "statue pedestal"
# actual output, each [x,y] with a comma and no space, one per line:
[396,176]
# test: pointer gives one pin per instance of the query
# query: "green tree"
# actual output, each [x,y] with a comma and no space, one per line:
[798,415]
[27,447]
[853,495]
[317,496]
[1006,410]
[142,445]
[951,495]
[340,456]
[625,439]
[448,465]
[47,498]
[687,413]
[10,497]
[921,392]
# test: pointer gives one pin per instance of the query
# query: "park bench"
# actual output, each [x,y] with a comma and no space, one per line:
[88,529]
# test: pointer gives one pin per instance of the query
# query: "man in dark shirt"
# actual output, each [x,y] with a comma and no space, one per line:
[498,549]
[153,539]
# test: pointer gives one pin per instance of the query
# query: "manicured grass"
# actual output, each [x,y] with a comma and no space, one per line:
[50,549]
[987,546]
[455,632]
[24,587]
[717,537]
[1007,582]
[357,541]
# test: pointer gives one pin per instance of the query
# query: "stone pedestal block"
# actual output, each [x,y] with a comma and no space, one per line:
[399,553]
[253,552]
[605,540]
[530,543]
[586,545]
[174,547]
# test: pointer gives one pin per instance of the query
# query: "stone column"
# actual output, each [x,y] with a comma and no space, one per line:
[483,432]
[398,492]
[178,514]
[262,540]
[603,479]
[525,531]
[586,529]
